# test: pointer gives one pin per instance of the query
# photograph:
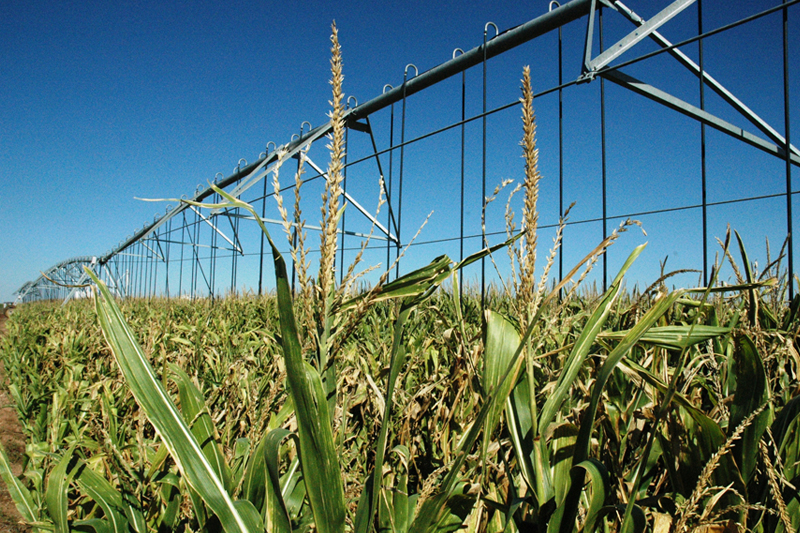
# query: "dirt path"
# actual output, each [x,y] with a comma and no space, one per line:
[13,440]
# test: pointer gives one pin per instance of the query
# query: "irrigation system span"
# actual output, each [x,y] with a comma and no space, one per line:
[192,252]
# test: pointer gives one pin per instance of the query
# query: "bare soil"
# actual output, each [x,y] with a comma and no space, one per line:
[13,440]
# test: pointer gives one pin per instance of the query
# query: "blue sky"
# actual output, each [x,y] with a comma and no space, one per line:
[104,102]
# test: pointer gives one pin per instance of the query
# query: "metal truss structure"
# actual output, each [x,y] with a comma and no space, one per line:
[65,281]
[183,251]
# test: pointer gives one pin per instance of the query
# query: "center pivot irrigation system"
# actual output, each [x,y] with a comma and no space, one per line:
[186,251]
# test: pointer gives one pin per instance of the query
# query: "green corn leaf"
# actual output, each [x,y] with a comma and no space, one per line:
[201,512]
[456,510]
[673,337]
[601,488]
[416,286]
[56,495]
[782,431]
[293,490]
[421,280]
[502,341]
[433,510]
[402,505]
[634,335]
[385,517]
[193,408]
[107,497]
[786,430]
[241,452]
[752,391]
[657,383]
[638,522]
[254,485]
[412,284]
[93,525]
[277,513]
[752,310]
[150,394]
[563,443]
[518,414]
[706,433]
[171,498]
[249,514]
[477,256]
[18,492]
[158,462]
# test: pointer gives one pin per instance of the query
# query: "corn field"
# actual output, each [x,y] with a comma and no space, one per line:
[461,445]
[413,406]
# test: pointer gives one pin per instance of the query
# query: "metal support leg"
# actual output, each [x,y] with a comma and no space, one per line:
[703,144]
[212,263]
[603,155]
[261,249]
[166,268]
[402,160]
[390,191]
[560,155]
[483,168]
[463,152]
[180,271]
[234,257]
[787,150]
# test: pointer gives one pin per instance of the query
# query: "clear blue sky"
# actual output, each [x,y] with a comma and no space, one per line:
[106,101]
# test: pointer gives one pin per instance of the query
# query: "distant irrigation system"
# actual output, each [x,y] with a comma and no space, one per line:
[196,253]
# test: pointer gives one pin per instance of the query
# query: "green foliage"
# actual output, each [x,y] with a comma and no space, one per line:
[97,459]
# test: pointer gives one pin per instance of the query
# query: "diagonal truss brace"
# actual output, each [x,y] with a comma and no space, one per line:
[155,254]
[350,199]
[115,277]
[716,86]
[207,221]
[234,230]
[591,66]
[696,113]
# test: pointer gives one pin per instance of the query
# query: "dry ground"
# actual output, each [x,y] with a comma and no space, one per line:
[13,440]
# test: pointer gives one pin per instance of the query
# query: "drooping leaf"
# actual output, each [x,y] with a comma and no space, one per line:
[168,422]
[673,337]
[600,489]
[56,495]
[17,490]
[107,497]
